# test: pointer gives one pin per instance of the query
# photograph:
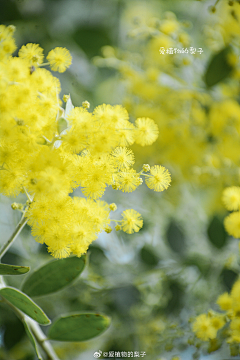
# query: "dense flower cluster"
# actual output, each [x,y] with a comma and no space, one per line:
[199,130]
[47,151]
[206,326]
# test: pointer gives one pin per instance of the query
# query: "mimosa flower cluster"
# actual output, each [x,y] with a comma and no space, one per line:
[47,152]
[199,130]
[231,200]
[206,326]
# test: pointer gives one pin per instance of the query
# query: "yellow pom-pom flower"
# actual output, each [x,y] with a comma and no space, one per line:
[33,53]
[225,301]
[231,198]
[59,59]
[203,328]
[232,224]
[131,222]
[159,179]
[146,131]
[123,158]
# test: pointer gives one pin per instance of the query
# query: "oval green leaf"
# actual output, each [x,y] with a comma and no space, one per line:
[78,327]
[53,276]
[218,68]
[13,269]
[25,304]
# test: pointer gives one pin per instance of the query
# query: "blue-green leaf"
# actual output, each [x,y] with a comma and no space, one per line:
[25,304]
[78,327]
[219,67]
[6,269]
[53,276]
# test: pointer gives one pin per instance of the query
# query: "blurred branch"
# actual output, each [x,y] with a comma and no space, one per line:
[14,235]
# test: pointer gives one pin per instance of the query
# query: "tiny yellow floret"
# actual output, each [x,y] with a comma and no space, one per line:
[146,131]
[60,59]
[113,207]
[225,301]
[33,53]
[86,104]
[132,221]
[232,224]
[160,179]
[231,198]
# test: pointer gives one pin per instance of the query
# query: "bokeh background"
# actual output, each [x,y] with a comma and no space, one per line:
[154,282]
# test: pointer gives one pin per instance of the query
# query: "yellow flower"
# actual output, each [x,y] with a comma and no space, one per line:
[203,328]
[33,53]
[48,163]
[132,221]
[128,180]
[146,131]
[113,207]
[60,59]
[159,179]
[232,224]
[225,301]
[122,158]
[217,321]
[231,198]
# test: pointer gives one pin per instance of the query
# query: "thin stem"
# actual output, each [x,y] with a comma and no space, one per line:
[42,339]
[33,325]
[27,194]
[14,235]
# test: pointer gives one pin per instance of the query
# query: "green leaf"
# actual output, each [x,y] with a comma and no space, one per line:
[176,238]
[218,68]
[13,269]
[69,106]
[216,232]
[62,125]
[148,256]
[78,327]
[53,276]
[25,304]
[32,339]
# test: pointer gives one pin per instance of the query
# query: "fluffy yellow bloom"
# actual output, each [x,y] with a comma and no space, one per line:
[33,53]
[231,198]
[122,158]
[131,222]
[217,321]
[60,59]
[146,131]
[232,224]
[7,42]
[235,327]
[159,179]
[225,301]
[47,151]
[203,328]
[128,180]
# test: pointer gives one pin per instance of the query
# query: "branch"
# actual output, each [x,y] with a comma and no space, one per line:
[14,235]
